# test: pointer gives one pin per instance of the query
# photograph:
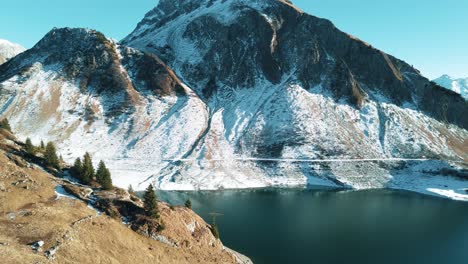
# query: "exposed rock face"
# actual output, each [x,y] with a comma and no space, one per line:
[258,79]
[241,42]
[9,50]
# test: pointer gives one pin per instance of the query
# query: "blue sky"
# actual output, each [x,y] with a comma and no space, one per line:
[430,34]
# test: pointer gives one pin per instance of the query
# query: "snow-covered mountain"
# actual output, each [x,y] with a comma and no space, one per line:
[460,86]
[85,92]
[252,90]
[8,50]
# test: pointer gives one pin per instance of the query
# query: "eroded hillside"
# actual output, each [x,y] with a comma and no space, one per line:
[42,223]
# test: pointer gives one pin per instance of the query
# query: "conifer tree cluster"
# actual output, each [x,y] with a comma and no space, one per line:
[150,203]
[50,153]
[5,124]
[31,149]
[83,170]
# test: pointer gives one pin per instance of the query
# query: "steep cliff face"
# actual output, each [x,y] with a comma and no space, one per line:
[239,43]
[9,50]
[260,95]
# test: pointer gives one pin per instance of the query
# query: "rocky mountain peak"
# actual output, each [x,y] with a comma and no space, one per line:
[68,46]
[218,46]
[9,50]
[85,58]
[457,85]
[68,35]
[77,46]
[260,81]
[96,63]
[167,10]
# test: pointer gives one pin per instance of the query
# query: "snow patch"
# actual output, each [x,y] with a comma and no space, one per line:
[60,193]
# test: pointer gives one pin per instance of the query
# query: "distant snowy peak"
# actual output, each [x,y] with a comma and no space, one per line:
[9,50]
[459,86]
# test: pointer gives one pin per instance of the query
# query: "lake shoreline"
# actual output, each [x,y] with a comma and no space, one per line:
[330,188]
[315,221]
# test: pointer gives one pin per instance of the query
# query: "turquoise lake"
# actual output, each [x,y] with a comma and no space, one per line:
[328,226]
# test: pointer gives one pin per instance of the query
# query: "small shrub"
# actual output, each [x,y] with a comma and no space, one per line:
[161,227]
[101,38]
[188,204]
[130,190]
[5,125]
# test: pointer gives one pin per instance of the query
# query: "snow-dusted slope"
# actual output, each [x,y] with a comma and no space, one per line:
[282,84]
[88,94]
[265,93]
[460,86]
[8,50]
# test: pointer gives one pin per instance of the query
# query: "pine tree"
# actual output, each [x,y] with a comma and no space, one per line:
[151,203]
[88,169]
[107,183]
[50,156]
[214,230]
[77,170]
[42,145]
[100,171]
[188,204]
[103,176]
[5,124]
[29,147]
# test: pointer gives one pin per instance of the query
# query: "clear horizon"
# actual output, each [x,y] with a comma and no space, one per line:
[430,34]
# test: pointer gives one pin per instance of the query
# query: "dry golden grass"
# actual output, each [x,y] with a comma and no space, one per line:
[30,212]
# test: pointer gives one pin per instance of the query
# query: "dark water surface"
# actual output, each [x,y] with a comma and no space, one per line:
[317,226]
